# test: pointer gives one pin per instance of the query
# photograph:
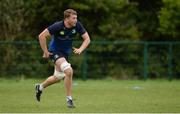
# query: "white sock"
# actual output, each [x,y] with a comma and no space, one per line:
[68,98]
[41,87]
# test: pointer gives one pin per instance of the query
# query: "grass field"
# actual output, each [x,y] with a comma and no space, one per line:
[92,96]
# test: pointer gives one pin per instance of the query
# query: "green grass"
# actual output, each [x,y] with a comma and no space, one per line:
[93,96]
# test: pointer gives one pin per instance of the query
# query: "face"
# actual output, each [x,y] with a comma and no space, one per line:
[72,20]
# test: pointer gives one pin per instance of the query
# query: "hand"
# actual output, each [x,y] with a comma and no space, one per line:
[46,54]
[77,51]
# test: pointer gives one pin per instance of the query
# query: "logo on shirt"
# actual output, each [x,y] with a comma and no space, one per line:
[61,32]
[73,31]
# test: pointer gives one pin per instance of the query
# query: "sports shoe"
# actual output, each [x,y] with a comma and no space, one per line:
[38,92]
[70,104]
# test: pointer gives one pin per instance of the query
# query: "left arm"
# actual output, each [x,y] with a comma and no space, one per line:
[86,41]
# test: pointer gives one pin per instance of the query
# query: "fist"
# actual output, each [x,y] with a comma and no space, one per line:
[77,51]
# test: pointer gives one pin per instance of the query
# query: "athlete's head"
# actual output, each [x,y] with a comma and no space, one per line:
[70,16]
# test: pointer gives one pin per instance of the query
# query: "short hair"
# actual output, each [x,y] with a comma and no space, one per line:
[68,12]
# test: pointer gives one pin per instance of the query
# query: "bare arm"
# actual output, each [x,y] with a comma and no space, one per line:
[42,40]
[84,45]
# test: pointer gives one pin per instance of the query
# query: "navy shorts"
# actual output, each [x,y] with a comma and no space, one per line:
[56,55]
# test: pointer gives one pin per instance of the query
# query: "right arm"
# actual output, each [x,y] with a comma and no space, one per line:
[42,40]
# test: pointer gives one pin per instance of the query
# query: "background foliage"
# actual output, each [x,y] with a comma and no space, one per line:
[109,20]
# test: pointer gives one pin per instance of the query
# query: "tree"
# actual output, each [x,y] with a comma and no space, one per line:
[109,19]
[169,19]
[12,19]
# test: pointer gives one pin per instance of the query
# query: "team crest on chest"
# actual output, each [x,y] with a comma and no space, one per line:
[61,32]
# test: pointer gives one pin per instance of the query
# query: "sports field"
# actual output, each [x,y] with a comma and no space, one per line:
[92,96]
